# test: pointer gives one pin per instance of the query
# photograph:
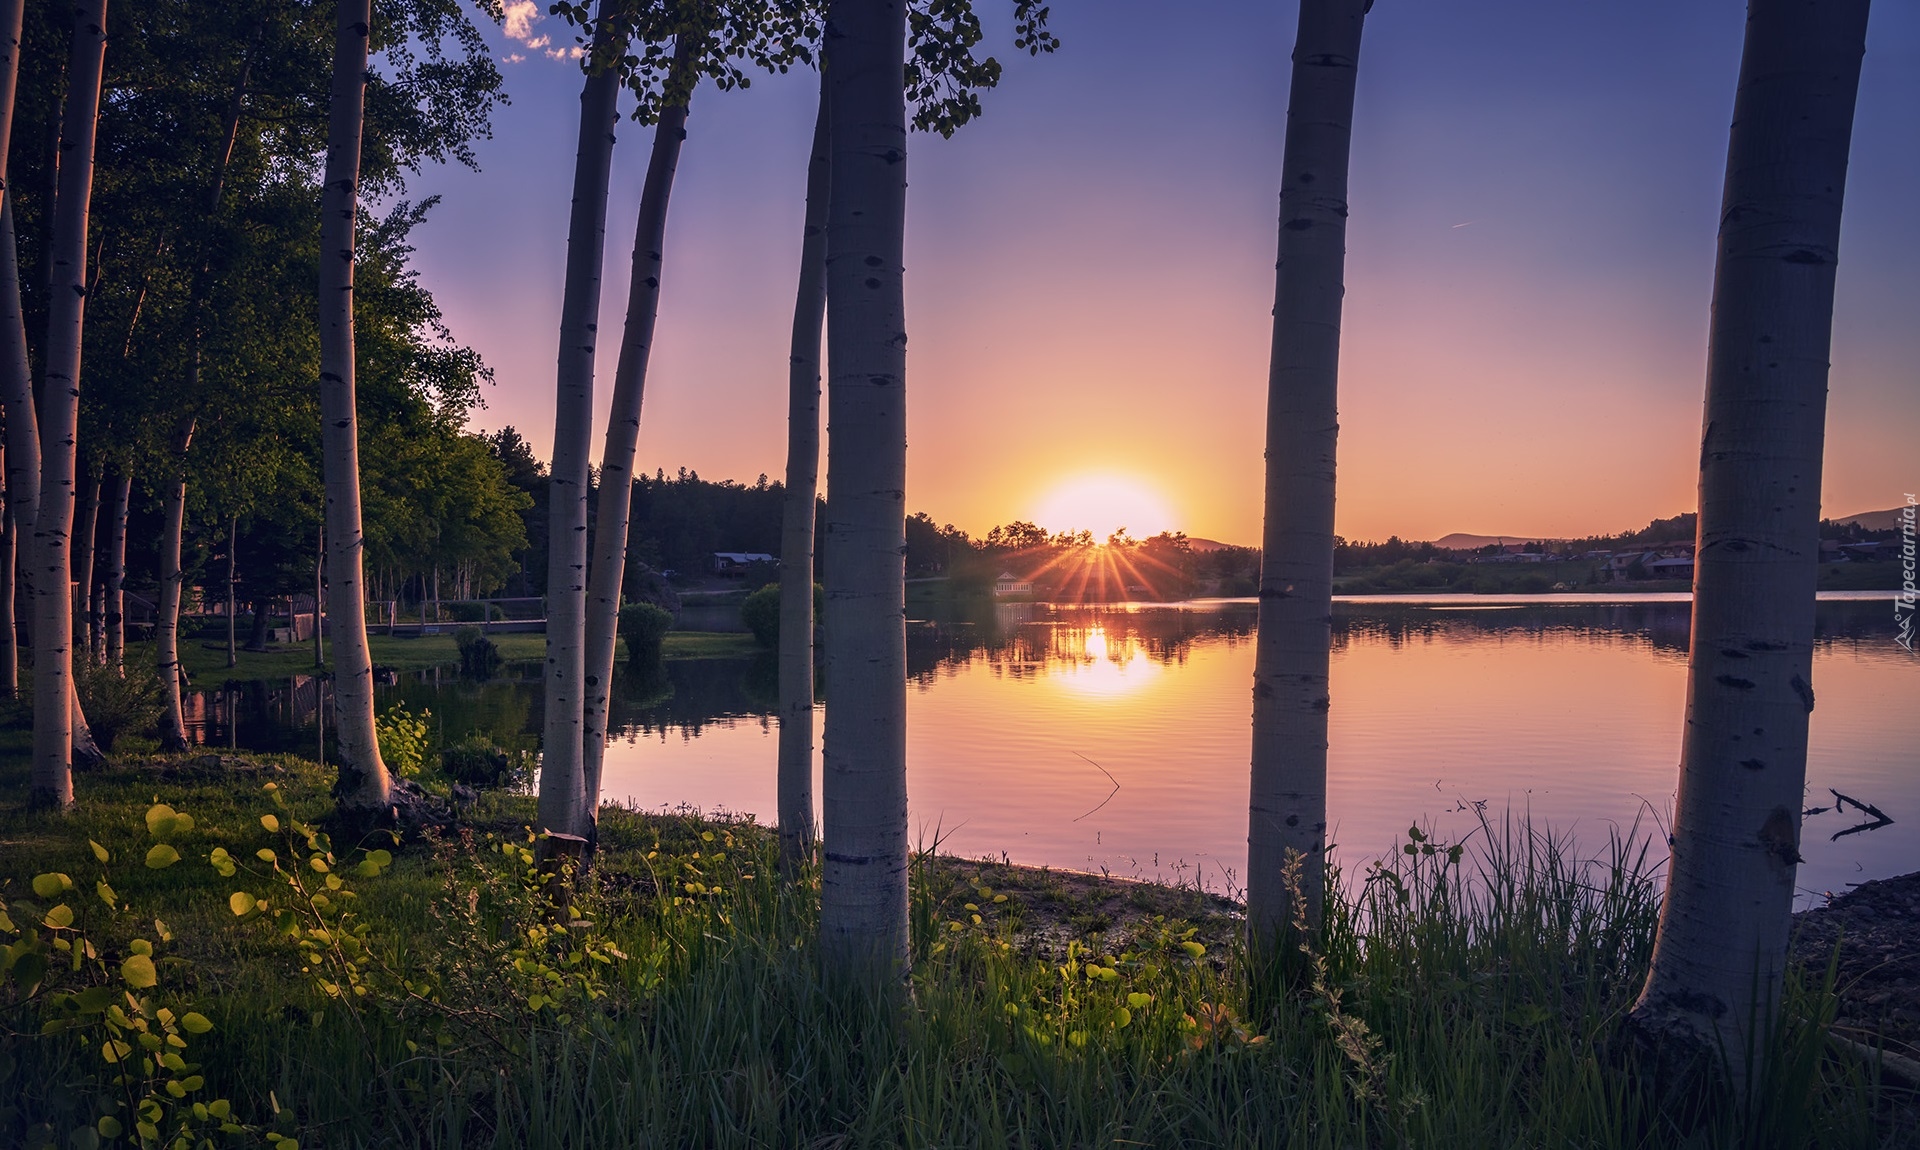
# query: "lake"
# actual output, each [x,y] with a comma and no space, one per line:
[1115,737]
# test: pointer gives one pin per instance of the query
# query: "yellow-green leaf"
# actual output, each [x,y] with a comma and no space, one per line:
[60,917]
[160,819]
[1193,948]
[1138,1000]
[51,885]
[138,971]
[240,902]
[271,822]
[99,851]
[264,854]
[109,1127]
[194,1022]
[161,857]
[105,892]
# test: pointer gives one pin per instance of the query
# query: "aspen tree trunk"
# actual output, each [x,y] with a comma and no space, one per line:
[562,777]
[863,898]
[794,782]
[9,642]
[1287,807]
[166,625]
[84,530]
[116,617]
[54,702]
[614,514]
[97,606]
[22,415]
[1720,952]
[233,623]
[15,379]
[364,785]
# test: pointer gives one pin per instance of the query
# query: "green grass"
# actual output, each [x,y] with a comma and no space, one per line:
[1459,1004]
[205,658]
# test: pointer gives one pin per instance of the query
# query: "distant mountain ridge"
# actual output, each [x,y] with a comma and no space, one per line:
[1876,520]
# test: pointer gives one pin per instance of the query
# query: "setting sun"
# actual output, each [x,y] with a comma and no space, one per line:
[1103,504]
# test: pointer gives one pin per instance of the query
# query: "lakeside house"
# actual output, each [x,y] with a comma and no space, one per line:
[736,563]
[1009,584]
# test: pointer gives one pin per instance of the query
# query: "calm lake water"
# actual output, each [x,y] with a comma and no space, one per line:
[1116,738]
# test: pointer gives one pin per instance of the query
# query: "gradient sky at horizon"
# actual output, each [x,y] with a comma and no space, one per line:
[1534,194]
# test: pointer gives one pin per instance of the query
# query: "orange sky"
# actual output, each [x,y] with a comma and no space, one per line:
[1089,269]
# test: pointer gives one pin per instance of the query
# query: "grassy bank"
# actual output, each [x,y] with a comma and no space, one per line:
[1460,999]
[205,657]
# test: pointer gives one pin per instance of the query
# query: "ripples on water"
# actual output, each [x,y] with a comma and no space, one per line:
[1022,719]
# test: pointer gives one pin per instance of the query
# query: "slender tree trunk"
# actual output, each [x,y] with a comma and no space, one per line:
[54,699]
[319,595]
[364,784]
[16,384]
[116,620]
[1720,953]
[166,626]
[233,623]
[562,796]
[613,514]
[863,899]
[9,638]
[97,598]
[84,529]
[22,415]
[794,783]
[1287,807]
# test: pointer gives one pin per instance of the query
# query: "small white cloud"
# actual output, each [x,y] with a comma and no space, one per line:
[573,53]
[521,16]
[539,41]
[512,58]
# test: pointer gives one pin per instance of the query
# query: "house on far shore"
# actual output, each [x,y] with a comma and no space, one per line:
[737,563]
[1009,585]
[1676,567]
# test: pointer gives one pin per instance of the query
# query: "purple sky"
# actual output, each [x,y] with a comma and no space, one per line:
[1535,189]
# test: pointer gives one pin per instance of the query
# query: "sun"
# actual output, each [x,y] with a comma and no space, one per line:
[1103,503]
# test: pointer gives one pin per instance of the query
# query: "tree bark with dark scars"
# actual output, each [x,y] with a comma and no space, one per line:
[863,891]
[1287,807]
[362,792]
[1718,960]
[794,779]
[614,514]
[55,702]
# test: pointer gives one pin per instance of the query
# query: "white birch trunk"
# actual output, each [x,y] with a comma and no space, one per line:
[1720,953]
[794,779]
[85,527]
[364,785]
[9,641]
[54,701]
[614,514]
[116,580]
[166,624]
[22,475]
[562,797]
[1287,806]
[863,897]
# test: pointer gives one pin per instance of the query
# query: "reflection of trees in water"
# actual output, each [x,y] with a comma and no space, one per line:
[1018,640]
[1663,626]
[687,695]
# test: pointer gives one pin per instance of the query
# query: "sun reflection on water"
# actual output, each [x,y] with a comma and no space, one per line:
[1092,664]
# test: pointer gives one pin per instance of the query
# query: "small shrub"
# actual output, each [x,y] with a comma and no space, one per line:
[761,612]
[118,705]
[473,612]
[644,627]
[479,656]
[478,762]
[403,739]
